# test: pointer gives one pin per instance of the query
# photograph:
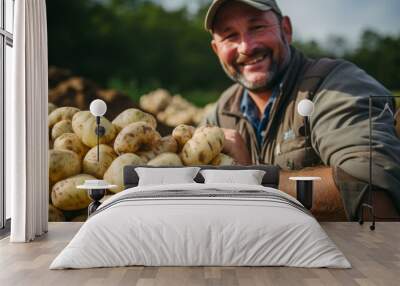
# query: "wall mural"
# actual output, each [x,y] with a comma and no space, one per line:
[161,87]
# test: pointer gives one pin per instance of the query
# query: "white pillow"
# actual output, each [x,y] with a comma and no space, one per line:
[164,176]
[247,177]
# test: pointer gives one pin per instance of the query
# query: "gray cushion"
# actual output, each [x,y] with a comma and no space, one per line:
[270,179]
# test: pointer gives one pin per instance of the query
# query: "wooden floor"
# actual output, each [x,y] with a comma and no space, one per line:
[375,257]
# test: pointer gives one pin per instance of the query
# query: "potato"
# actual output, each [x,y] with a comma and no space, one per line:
[51,107]
[181,117]
[61,127]
[89,136]
[61,113]
[179,111]
[223,160]
[135,136]
[166,144]
[178,102]
[206,143]
[182,133]
[67,197]
[114,174]
[78,120]
[155,101]
[198,116]
[133,115]
[201,114]
[55,214]
[175,110]
[71,141]
[166,159]
[97,169]
[63,164]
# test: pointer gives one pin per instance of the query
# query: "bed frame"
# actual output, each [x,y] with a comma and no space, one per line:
[270,179]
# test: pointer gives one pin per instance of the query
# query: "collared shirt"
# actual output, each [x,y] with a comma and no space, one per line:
[251,112]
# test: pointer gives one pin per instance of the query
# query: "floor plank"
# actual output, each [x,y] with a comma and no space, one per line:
[375,257]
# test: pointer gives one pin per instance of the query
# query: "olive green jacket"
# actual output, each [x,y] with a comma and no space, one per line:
[339,127]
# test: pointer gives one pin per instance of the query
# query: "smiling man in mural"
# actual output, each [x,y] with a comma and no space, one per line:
[252,39]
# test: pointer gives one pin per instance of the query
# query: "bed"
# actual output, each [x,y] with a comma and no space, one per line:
[201,224]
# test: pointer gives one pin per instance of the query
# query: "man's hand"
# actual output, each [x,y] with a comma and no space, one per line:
[235,147]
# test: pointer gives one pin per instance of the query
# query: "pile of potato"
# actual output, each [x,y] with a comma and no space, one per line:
[130,139]
[173,110]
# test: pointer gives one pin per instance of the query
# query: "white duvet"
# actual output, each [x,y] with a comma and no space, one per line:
[200,231]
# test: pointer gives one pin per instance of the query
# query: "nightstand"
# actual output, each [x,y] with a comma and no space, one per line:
[304,190]
[96,193]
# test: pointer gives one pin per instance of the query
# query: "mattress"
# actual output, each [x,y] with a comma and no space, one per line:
[201,225]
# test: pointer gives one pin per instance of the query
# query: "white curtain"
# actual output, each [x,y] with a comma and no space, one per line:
[26,124]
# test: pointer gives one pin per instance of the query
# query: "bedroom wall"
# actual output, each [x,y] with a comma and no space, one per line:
[146,63]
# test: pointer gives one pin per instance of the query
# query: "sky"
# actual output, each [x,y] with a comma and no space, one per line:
[318,19]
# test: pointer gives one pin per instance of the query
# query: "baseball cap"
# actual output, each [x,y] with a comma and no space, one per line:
[263,5]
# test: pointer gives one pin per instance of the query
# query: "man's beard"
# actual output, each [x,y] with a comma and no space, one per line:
[275,72]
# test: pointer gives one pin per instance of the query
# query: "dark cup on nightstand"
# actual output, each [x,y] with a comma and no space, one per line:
[304,190]
[96,195]
[305,193]
[96,190]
